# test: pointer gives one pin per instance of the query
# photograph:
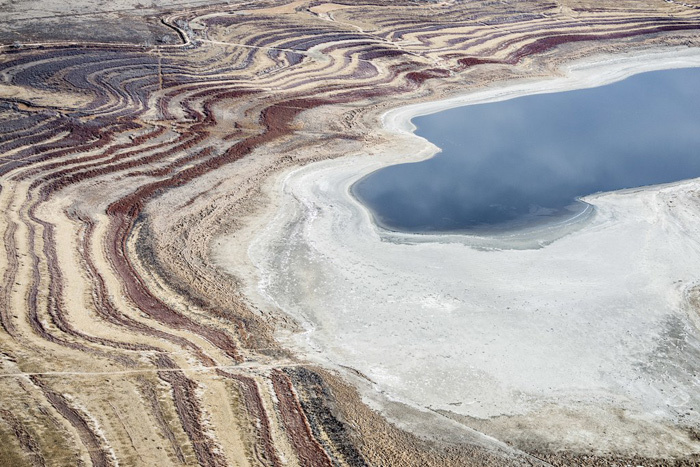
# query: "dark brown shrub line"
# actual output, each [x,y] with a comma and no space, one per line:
[56,304]
[99,455]
[184,392]
[110,313]
[9,278]
[135,142]
[307,448]
[265,450]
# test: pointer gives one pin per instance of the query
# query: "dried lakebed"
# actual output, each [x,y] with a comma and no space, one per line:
[583,340]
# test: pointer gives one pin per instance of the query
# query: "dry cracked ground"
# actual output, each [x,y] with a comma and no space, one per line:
[132,134]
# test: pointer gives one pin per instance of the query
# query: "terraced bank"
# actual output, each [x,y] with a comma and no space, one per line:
[121,343]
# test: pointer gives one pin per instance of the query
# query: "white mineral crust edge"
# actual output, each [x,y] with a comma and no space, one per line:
[580,326]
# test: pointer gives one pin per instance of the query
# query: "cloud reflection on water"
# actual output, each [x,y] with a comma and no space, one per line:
[501,160]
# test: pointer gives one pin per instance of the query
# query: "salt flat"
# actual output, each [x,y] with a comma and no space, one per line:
[144,146]
[585,327]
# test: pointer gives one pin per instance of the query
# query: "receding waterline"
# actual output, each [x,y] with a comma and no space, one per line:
[526,161]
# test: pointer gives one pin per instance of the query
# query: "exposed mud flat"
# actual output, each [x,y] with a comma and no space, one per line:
[578,338]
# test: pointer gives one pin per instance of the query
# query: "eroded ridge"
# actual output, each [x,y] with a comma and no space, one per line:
[121,343]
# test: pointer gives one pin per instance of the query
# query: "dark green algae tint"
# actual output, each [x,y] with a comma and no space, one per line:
[525,161]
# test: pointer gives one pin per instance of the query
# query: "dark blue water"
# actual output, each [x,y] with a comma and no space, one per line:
[524,161]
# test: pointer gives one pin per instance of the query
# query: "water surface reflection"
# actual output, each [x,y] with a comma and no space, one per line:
[526,160]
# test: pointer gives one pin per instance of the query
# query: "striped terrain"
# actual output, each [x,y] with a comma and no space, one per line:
[122,160]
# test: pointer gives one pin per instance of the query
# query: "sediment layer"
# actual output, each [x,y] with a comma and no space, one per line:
[122,160]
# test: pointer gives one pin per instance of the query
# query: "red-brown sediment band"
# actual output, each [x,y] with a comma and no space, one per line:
[107,310]
[418,77]
[33,311]
[74,175]
[56,307]
[190,413]
[547,43]
[137,141]
[121,225]
[265,450]
[123,213]
[468,62]
[151,396]
[26,441]
[8,279]
[77,141]
[327,425]
[308,450]
[98,454]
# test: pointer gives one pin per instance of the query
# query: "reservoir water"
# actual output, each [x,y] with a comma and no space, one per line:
[525,161]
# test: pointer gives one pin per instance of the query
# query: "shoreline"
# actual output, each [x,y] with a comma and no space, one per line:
[578,74]
[397,122]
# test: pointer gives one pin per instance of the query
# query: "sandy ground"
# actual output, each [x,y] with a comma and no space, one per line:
[135,137]
[581,338]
